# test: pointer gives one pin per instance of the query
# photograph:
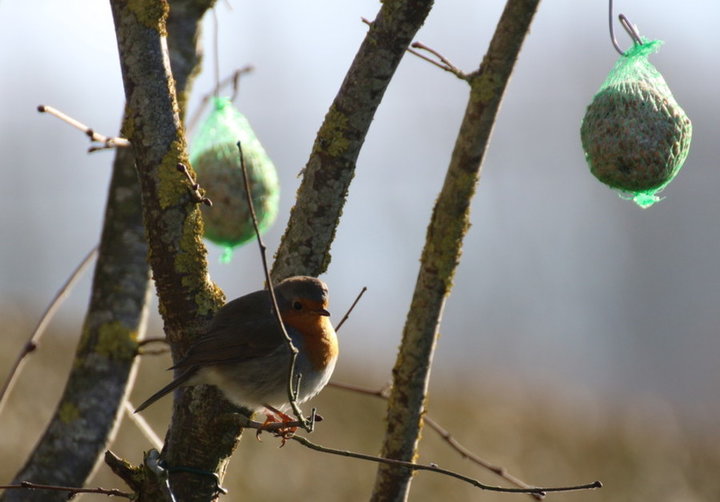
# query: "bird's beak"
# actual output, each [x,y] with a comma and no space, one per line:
[323,312]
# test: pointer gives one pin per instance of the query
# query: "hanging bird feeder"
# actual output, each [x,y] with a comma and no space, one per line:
[634,134]
[215,158]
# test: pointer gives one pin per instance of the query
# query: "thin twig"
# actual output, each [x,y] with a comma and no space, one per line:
[444,63]
[434,468]
[153,352]
[142,425]
[155,339]
[293,380]
[444,434]
[233,79]
[347,314]
[381,393]
[466,453]
[105,141]
[216,50]
[42,325]
[27,485]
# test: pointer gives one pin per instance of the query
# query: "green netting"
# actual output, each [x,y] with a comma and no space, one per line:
[215,157]
[634,134]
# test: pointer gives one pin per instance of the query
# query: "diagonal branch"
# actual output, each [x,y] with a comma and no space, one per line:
[37,333]
[443,245]
[305,246]
[86,417]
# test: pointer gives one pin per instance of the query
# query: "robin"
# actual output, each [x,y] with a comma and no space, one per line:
[245,355]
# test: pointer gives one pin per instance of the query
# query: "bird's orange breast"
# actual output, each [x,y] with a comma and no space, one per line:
[319,339]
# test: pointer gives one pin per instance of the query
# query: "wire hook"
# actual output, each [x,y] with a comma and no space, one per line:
[630,28]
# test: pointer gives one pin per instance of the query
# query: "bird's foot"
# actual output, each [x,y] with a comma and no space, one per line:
[276,417]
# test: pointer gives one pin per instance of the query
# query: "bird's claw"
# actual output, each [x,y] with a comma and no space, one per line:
[284,433]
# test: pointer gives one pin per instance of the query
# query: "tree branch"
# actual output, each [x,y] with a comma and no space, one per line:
[86,418]
[201,434]
[305,246]
[441,254]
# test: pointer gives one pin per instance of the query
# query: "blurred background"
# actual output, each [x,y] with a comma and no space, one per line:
[580,340]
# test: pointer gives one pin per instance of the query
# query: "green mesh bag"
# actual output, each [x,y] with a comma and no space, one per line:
[216,159]
[634,134]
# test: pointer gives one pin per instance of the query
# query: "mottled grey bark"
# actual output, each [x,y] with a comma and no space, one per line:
[441,254]
[305,246]
[202,433]
[89,410]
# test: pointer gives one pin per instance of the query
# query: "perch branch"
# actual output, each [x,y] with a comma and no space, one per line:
[434,468]
[201,433]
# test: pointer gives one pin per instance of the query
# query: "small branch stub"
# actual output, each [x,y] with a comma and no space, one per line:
[195,190]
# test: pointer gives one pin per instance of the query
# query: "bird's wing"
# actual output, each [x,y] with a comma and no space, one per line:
[243,329]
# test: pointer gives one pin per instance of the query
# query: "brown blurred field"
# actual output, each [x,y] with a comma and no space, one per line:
[642,452]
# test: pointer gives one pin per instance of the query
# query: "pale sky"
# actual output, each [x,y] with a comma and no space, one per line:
[561,282]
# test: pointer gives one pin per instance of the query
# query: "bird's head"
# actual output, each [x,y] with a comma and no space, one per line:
[302,298]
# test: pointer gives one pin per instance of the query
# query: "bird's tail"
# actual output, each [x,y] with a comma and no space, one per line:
[179,381]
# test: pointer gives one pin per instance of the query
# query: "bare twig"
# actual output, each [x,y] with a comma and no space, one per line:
[153,352]
[443,433]
[156,339]
[381,393]
[443,63]
[347,314]
[142,425]
[468,454]
[434,468]
[72,491]
[195,190]
[142,351]
[233,79]
[105,141]
[39,330]
[293,379]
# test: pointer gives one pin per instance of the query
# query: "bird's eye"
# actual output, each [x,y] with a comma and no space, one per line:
[297,306]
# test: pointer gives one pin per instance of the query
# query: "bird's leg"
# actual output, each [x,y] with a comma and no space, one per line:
[284,432]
